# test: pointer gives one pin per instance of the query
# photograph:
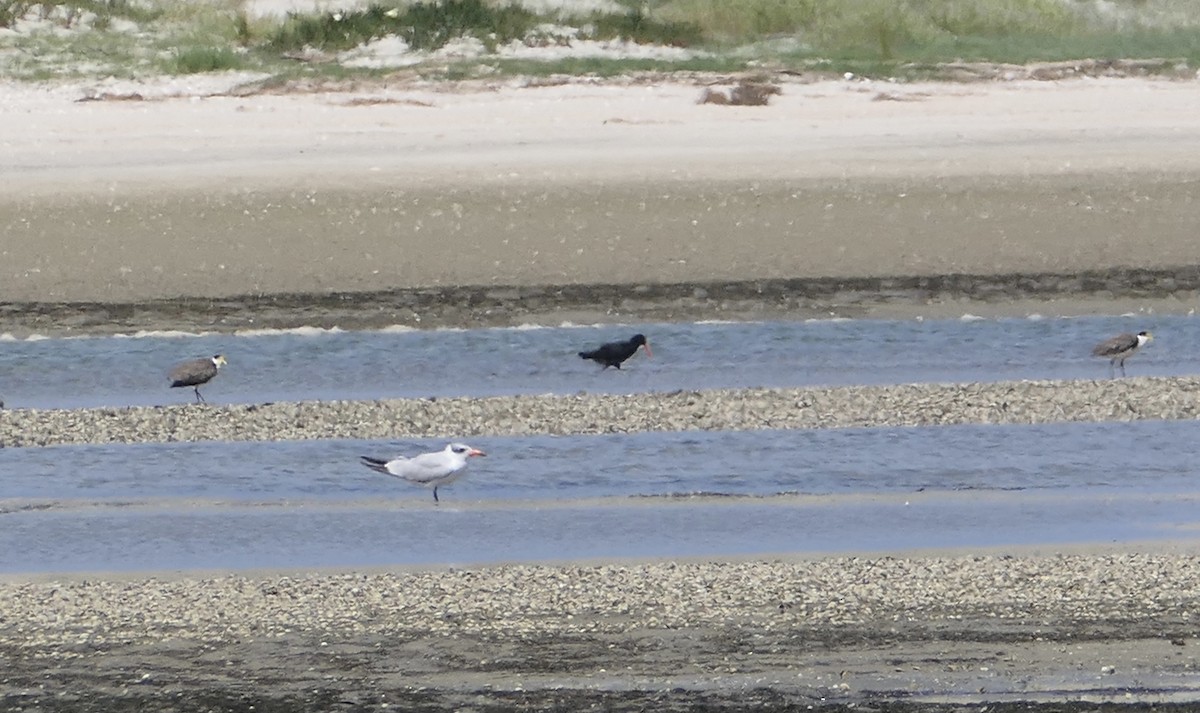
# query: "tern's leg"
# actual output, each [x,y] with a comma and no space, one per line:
[435,497]
[1122,367]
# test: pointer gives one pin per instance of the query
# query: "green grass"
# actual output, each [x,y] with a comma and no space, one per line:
[740,20]
[125,9]
[12,10]
[873,28]
[1014,31]
[85,54]
[424,26]
[1178,45]
[67,14]
[636,25]
[871,37]
[431,25]
[194,60]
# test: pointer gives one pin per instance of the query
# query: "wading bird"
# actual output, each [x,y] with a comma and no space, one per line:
[195,372]
[613,353]
[429,469]
[1120,348]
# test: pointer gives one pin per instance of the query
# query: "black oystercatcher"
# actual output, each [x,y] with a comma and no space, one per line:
[613,353]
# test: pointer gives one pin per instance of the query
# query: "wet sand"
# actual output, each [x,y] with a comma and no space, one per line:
[1115,291]
[1002,631]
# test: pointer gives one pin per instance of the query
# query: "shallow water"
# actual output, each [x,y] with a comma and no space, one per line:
[306,504]
[314,364]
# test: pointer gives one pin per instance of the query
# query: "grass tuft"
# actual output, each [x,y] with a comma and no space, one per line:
[742,21]
[13,10]
[635,25]
[424,25]
[431,25]
[194,60]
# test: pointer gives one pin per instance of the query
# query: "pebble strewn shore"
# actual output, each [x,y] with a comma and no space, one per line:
[520,600]
[1024,402]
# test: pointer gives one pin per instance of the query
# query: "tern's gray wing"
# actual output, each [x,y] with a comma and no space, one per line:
[1116,345]
[425,468]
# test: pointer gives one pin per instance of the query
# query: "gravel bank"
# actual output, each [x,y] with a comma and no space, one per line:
[535,600]
[1024,402]
[662,636]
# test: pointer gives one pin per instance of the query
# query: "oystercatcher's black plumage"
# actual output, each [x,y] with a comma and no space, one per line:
[613,353]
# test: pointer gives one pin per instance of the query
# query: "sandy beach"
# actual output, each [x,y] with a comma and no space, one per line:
[215,203]
[221,188]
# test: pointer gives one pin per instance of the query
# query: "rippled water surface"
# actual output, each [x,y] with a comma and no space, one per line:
[304,504]
[304,365]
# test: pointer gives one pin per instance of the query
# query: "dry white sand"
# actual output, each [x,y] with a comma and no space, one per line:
[187,132]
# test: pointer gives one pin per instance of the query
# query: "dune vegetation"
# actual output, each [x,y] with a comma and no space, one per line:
[478,38]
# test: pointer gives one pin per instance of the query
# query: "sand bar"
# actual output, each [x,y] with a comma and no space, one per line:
[1024,402]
